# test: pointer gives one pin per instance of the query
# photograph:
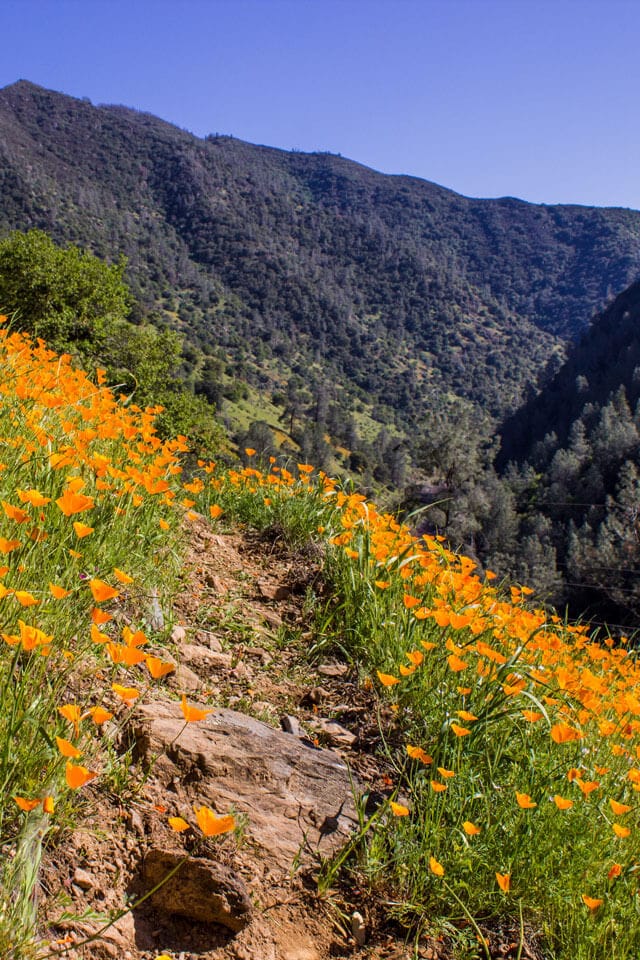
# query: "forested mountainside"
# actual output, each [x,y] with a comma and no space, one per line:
[309,275]
[574,473]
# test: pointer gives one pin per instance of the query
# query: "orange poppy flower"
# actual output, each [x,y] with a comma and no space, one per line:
[192,714]
[127,694]
[504,881]
[102,591]
[159,668]
[212,825]
[398,809]
[591,902]
[459,730]
[6,546]
[67,749]
[82,530]
[417,753]
[178,824]
[72,713]
[76,775]
[621,831]
[436,867]
[387,679]
[71,503]
[58,593]
[99,616]
[470,828]
[99,715]
[456,663]
[26,805]
[525,801]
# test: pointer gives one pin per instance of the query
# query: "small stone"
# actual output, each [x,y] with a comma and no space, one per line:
[83,879]
[314,696]
[273,591]
[215,583]
[260,652]
[335,732]
[272,619]
[358,929]
[332,669]
[291,725]
[200,889]
[184,680]
[137,823]
[241,671]
[178,634]
[205,658]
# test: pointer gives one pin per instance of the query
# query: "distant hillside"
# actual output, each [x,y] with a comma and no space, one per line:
[282,265]
[575,472]
[605,358]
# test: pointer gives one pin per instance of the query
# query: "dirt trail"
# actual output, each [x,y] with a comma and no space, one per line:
[241,637]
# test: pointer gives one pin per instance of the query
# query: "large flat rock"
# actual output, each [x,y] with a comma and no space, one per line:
[297,798]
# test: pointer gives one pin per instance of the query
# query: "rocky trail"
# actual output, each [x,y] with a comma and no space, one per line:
[289,747]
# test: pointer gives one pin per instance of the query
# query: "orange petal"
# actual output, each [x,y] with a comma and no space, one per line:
[77,775]
[178,824]
[159,668]
[127,694]
[386,679]
[67,749]
[212,825]
[58,593]
[470,828]
[25,804]
[192,714]
[102,591]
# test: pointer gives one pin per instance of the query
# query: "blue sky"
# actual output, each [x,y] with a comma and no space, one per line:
[530,98]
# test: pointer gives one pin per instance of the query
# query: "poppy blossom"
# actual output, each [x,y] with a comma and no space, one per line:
[470,828]
[525,801]
[127,694]
[387,679]
[591,902]
[67,749]
[192,714]
[212,825]
[178,824]
[76,775]
[26,805]
[102,591]
[159,668]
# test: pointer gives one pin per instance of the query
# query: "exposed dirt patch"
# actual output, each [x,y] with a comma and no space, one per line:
[241,636]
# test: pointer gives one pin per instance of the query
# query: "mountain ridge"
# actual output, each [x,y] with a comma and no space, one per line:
[390,290]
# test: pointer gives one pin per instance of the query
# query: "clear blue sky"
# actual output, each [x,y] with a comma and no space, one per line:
[530,98]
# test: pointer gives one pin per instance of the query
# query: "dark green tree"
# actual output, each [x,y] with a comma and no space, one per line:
[67,296]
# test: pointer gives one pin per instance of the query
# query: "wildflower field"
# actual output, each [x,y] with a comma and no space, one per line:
[514,745]
[88,538]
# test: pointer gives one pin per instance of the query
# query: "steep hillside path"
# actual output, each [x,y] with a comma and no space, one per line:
[288,747]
